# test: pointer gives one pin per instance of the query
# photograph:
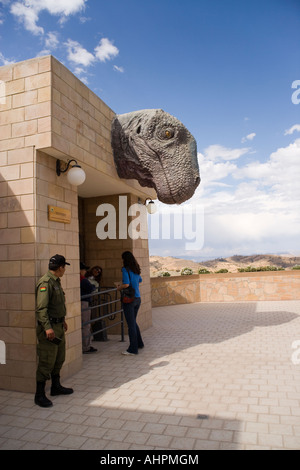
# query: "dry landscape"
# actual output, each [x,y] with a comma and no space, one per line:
[159,264]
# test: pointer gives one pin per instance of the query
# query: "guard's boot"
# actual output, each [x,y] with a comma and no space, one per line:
[40,397]
[57,388]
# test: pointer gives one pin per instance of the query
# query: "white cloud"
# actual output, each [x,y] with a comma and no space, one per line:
[249,232]
[78,54]
[218,152]
[106,50]
[118,69]
[248,137]
[84,19]
[2,16]
[4,60]
[280,172]
[292,129]
[51,41]
[81,74]
[28,16]
[81,57]
[61,7]
[260,214]
[212,172]
[257,212]
[28,11]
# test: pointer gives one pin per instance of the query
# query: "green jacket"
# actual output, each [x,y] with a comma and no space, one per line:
[50,300]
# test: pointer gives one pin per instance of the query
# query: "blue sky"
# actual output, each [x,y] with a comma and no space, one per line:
[225,68]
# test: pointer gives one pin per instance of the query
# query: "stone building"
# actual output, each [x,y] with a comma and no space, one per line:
[47,114]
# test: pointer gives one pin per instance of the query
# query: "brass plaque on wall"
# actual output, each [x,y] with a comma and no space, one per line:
[58,214]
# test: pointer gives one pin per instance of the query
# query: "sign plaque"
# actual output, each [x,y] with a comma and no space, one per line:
[58,214]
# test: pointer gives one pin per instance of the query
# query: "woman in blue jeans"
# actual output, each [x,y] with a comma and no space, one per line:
[131,274]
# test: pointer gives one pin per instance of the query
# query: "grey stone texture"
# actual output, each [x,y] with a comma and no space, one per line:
[156,149]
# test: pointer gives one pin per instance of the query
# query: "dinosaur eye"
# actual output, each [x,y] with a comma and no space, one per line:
[169,133]
[166,133]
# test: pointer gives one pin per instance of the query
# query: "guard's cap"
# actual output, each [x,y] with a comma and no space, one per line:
[83,266]
[56,261]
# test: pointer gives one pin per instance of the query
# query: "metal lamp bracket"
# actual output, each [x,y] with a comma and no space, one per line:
[59,170]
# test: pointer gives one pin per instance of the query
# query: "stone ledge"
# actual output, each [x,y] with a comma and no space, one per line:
[225,287]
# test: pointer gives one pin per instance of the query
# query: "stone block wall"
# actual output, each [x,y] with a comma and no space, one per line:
[56,237]
[283,285]
[25,119]
[175,290]
[27,241]
[26,109]
[80,121]
[47,113]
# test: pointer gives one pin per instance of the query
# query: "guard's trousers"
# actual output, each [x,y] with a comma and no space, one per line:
[50,356]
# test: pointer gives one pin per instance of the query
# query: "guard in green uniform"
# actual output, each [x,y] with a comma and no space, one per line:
[51,327]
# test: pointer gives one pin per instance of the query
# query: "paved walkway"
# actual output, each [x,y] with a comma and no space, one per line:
[211,376]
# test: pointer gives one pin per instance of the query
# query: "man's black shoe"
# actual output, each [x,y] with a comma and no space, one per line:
[58,389]
[40,398]
[91,350]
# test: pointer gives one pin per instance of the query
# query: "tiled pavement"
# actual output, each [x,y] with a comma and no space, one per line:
[233,363]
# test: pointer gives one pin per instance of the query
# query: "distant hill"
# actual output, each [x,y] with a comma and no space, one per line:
[233,263]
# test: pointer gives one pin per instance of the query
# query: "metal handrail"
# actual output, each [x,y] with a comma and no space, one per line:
[111,315]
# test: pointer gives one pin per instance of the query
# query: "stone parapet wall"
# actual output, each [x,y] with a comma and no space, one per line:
[283,285]
[175,290]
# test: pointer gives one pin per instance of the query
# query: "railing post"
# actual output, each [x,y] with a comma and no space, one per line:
[111,309]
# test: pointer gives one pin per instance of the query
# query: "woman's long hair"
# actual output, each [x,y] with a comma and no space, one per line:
[90,273]
[130,262]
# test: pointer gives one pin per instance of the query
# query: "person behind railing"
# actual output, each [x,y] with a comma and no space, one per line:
[94,275]
[86,288]
[131,275]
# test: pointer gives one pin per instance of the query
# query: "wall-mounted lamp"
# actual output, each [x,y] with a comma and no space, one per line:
[151,207]
[76,175]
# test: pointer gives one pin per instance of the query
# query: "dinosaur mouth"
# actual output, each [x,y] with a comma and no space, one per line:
[175,186]
[168,195]
[171,186]
[172,190]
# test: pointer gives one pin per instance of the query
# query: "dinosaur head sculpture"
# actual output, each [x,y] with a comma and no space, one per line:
[156,149]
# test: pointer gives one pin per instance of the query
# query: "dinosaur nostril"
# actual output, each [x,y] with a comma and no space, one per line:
[197,181]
